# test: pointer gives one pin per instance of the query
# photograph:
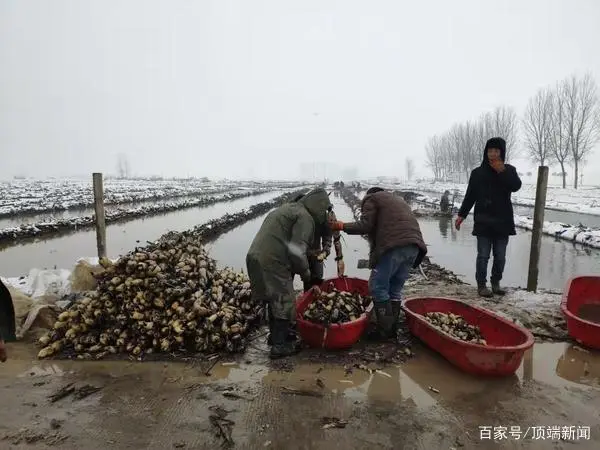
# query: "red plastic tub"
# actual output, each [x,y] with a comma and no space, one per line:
[506,341]
[336,336]
[579,292]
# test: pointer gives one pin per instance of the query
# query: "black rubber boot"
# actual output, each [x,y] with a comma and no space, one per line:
[483,291]
[396,309]
[385,320]
[292,335]
[496,289]
[281,347]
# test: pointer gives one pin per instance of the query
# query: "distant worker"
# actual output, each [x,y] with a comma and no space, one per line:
[320,250]
[396,246]
[490,187]
[445,202]
[277,253]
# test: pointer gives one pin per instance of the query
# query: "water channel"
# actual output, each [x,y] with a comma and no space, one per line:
[455,250]
[63,251]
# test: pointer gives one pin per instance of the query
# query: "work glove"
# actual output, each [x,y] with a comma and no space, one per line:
[458,222]
[341,268]
[322,256]
[337,225]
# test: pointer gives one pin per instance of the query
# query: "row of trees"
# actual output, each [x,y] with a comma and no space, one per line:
[561,125]
[453,154]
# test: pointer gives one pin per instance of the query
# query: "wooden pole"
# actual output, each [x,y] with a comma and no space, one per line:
[538,227]
[100,217]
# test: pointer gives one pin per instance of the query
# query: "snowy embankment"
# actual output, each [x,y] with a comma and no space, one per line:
[37,196]
[53,227]
[585,200]
[574,233]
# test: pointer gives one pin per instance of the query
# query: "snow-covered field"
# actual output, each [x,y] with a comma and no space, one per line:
[117,214]
[584,200]
[35,196]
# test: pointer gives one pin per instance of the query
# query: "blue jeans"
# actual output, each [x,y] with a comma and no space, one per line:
[485,246]
[391,272]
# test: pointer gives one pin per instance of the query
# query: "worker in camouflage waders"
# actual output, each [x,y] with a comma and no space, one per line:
[277,253]
[320,250]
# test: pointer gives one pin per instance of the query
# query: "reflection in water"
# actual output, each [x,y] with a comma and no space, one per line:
[444,224]
[579,365]
[559,261]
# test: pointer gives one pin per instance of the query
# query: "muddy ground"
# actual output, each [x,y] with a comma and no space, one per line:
[377,396]
[250,402]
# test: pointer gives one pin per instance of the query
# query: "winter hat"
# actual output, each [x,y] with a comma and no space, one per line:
[373,190]
[496,142]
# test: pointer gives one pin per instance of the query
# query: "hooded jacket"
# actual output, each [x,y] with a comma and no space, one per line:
[287,233]
[324,236]
[389,222]
[491,192]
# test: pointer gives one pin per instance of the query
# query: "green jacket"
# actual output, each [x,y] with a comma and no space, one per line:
[288,232]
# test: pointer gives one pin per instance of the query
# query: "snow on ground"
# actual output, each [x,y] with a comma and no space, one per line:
[584,200]
[575,233]
[32,196]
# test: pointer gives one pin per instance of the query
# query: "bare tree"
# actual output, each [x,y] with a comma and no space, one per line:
[582,117]
[558,136]
[502,122]
[434,155]
[536,127]
[410,168]
[123,167]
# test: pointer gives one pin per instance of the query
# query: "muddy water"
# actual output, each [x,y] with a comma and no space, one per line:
[423,403]
[590,313]
[63,252]
[560,260]
[231,248]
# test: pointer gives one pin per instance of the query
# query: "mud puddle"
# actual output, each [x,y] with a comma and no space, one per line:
[246,403]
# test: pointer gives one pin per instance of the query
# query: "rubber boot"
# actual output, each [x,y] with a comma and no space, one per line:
[385,320]
[483,290]
[396,309]
[496,289]
[281,346]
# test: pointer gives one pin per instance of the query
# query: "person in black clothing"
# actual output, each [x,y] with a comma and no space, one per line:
[490,187]
[445,202]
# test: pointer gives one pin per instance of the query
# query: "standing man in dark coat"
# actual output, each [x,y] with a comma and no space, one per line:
[396,246]
[277,253]
[490,188]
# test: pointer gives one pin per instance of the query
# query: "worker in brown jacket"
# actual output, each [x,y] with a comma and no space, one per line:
[396,246]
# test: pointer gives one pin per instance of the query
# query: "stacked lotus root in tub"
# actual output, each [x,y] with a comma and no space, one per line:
[456,326]
[167,297]
[336,307]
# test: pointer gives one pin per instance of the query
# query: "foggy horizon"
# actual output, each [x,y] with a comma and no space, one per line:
[242,90]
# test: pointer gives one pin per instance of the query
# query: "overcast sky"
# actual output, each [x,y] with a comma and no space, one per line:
[254,88]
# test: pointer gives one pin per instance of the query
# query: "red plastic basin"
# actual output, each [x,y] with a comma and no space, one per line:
[336,336]
[579,292]
[506,341]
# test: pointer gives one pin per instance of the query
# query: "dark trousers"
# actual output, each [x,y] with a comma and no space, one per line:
[485,247]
